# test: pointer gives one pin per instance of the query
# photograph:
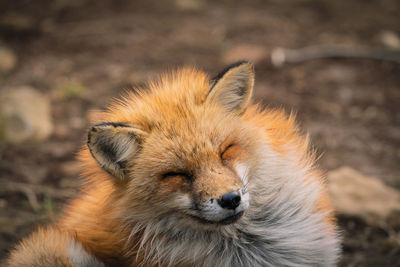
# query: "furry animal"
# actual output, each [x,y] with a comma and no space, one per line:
[189,173]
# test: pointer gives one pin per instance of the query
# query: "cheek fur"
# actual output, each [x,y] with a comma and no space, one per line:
[235,154]
[234,158]
[172,185]
[181,202]
[242,170]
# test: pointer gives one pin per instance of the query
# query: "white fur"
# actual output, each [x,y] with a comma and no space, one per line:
[280,227]
[80,258]
[242,171]
[210,210]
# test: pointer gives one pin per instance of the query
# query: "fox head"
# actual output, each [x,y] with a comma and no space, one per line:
[182,148]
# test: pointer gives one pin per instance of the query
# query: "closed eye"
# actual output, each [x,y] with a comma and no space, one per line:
[225,151]
[173,174]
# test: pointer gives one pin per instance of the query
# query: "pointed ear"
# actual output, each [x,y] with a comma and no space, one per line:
[232,88]
[113,145]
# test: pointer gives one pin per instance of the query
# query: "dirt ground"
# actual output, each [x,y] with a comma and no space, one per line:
[82,53]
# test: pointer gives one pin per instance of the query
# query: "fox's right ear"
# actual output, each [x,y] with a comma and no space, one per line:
[232,88]
[113,145]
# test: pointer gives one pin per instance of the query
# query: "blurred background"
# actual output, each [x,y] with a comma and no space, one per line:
[61,59]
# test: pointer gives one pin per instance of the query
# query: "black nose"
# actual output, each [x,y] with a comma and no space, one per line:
[230,200]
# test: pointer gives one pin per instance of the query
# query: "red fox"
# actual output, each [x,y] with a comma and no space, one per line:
[190,173]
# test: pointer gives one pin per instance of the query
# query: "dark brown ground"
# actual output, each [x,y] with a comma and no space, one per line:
[82,53]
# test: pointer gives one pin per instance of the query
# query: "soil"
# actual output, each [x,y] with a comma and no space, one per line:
[82,53]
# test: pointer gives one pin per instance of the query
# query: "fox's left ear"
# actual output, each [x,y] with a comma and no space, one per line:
[232,88]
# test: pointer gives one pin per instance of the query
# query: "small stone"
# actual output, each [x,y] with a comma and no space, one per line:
[24,115]
[3,203]
[390,39]
[361,196]
[8,60]
[345,95]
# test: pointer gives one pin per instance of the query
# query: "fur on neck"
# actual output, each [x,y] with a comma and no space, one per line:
[280,228]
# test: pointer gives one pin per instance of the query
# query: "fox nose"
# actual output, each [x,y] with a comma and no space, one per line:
[230,200]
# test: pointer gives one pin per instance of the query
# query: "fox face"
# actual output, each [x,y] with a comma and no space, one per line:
[181,150]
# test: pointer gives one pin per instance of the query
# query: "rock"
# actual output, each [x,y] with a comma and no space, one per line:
[3,203]
[368,198]
[390,39]
[8,60]
[24,115]
[253,53]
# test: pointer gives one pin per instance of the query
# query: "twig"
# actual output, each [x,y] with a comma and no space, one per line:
[31,191]
[31,198]
[280,56]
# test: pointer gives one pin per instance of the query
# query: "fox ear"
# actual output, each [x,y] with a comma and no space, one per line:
[112,145]
[232,88]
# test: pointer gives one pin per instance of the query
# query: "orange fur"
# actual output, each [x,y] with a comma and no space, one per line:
[94,219]
[282,134]
[46,247]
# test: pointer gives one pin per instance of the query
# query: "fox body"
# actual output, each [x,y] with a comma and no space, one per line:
[189,173]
